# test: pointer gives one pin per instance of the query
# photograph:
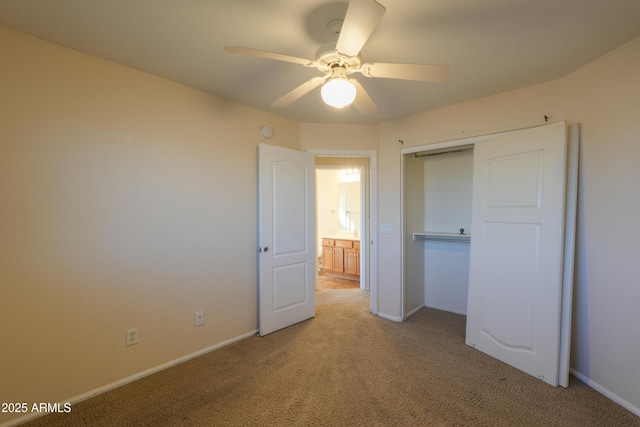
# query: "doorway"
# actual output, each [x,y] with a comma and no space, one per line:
[354,223]
[437,218]
[339,226]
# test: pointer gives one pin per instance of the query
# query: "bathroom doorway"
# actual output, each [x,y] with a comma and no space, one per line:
[365,162]
[341,221]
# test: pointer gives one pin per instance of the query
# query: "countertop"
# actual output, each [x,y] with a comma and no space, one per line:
[342,237]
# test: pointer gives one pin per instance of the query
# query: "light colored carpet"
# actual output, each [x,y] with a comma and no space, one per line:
[347,367]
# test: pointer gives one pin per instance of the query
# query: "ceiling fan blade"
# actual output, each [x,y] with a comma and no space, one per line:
[298,92]
[269,55]
[363,102]
[420,72]
[361,19]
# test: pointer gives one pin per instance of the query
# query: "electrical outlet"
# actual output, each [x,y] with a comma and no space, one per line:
[199,318]
[132,336]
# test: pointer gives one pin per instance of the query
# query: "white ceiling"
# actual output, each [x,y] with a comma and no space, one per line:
[490,45]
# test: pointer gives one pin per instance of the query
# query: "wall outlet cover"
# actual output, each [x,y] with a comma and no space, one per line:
[132,336]
[199,318]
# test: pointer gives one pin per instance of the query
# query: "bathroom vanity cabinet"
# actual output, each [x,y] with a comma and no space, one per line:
[341,257]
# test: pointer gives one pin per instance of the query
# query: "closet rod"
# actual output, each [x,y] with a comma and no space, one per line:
[444,150]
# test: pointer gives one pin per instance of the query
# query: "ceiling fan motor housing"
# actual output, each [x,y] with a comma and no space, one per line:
[338,71]
[328,57]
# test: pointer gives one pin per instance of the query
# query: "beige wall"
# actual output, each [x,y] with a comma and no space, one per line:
[336,137]
[603,96]
[126,201]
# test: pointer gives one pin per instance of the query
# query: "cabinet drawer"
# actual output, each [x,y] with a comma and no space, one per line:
[344,243]
[356,245]
[327,242]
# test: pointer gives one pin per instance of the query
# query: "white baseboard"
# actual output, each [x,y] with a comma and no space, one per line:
[414,311]
[450,310]
[608,393]
[84,396]
[384,316]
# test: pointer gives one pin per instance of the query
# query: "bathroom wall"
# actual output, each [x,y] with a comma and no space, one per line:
[327,199]
[331,185]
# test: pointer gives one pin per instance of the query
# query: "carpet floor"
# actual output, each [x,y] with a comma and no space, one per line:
[346,367]
[330,282]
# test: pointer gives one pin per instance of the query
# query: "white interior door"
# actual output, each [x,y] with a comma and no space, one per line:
[516,260]
[287,258]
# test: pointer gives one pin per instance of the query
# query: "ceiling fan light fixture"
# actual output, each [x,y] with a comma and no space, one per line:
[338,92]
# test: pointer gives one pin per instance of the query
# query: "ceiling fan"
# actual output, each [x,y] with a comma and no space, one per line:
[339,61]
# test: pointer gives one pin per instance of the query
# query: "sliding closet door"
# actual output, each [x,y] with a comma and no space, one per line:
[516,260]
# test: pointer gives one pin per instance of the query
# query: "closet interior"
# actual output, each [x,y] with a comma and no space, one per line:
[438,188]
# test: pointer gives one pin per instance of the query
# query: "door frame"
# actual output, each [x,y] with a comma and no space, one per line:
[370,256]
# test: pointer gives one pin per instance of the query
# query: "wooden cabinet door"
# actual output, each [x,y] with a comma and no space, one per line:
[327,258]
[338,260]
[352,261]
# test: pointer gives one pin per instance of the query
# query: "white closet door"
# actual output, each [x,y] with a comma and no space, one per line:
[516,260]
[287,222]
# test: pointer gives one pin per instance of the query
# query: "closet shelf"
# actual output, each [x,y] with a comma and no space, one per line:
[442,237]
